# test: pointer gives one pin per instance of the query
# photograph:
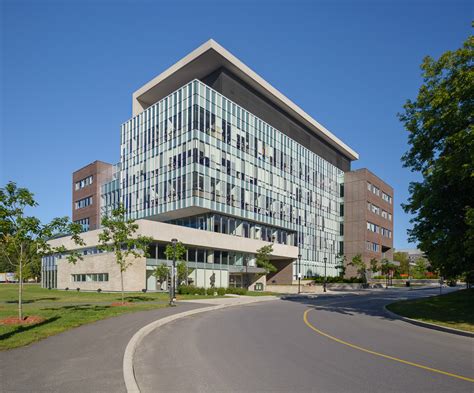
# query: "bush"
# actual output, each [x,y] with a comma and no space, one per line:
[210,291]
[220,291]
[236,291]
[338,280]
[191,290]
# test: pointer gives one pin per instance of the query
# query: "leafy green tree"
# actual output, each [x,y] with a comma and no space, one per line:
[420,268]
[178,253]
[182,272]
[341,265]
[24,239]
[262,259]
[441,138]
[161,273]
[360,267]
[119,236]
[402,258]
[374,265]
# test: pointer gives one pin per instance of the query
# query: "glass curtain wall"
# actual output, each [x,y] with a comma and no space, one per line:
[197,148]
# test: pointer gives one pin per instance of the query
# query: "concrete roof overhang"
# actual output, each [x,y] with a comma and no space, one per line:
[211,56]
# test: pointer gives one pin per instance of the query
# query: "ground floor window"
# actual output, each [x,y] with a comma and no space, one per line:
[92,277]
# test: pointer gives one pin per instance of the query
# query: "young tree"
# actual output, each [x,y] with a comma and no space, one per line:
[118,236]
[341,265]
[441,139]
[374,266]
[182,272]
[178,253]
[262,259]
[359,264]
[161,273]
[24,240]
[402,258]
[420,268]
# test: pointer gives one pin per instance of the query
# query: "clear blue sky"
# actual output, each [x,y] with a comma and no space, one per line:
[68,70]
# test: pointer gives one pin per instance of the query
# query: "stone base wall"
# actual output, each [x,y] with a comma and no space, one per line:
[134,277]
[257,278]
[294,288]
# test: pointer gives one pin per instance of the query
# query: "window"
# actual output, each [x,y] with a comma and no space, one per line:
[81,203]
[84,182]
[91,277]
[386,198]
[373,247]
[84,222]
[372,227]
[386,232]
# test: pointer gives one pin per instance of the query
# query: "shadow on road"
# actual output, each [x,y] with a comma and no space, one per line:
[367,304]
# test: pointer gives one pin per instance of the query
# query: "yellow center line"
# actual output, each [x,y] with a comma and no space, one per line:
[305,317]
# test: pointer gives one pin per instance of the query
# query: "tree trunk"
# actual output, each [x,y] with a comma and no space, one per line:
[20,285]
[121,283]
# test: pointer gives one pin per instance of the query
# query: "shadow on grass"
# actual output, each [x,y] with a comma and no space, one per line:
[139,299]
[25,328]
[78,307]
[33,300]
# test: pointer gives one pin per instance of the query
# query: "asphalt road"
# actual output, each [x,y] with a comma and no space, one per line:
[86,359]
[268,347]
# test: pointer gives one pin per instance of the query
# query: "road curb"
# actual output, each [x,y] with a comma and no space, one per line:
[427,324]
[128,370]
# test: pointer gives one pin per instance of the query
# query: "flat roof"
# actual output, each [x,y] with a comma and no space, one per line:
[211,56]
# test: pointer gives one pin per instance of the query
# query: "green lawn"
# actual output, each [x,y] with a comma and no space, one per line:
[64,310]
[455,310]
[262,293]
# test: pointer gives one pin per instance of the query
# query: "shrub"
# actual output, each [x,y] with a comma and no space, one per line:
[236,291]
[78,289]
[99,290]
[66,289]
[186,289]
[191,290]
[336,280]
[220,291]
[210,291]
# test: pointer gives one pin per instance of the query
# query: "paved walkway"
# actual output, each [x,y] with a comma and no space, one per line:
[86,359]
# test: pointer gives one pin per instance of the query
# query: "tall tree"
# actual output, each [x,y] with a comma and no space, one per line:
[402,258]
[262,259]
[359,265]
[119,236]
[441,138]
[24,239]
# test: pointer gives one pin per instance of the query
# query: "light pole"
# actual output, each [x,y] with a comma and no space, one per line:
[173,274]
[299,273]
[325,276]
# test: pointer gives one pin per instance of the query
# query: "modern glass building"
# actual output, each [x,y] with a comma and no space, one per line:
[197,159]
[216,157]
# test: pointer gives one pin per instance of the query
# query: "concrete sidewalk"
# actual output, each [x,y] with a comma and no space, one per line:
[231,300]
[86,359]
